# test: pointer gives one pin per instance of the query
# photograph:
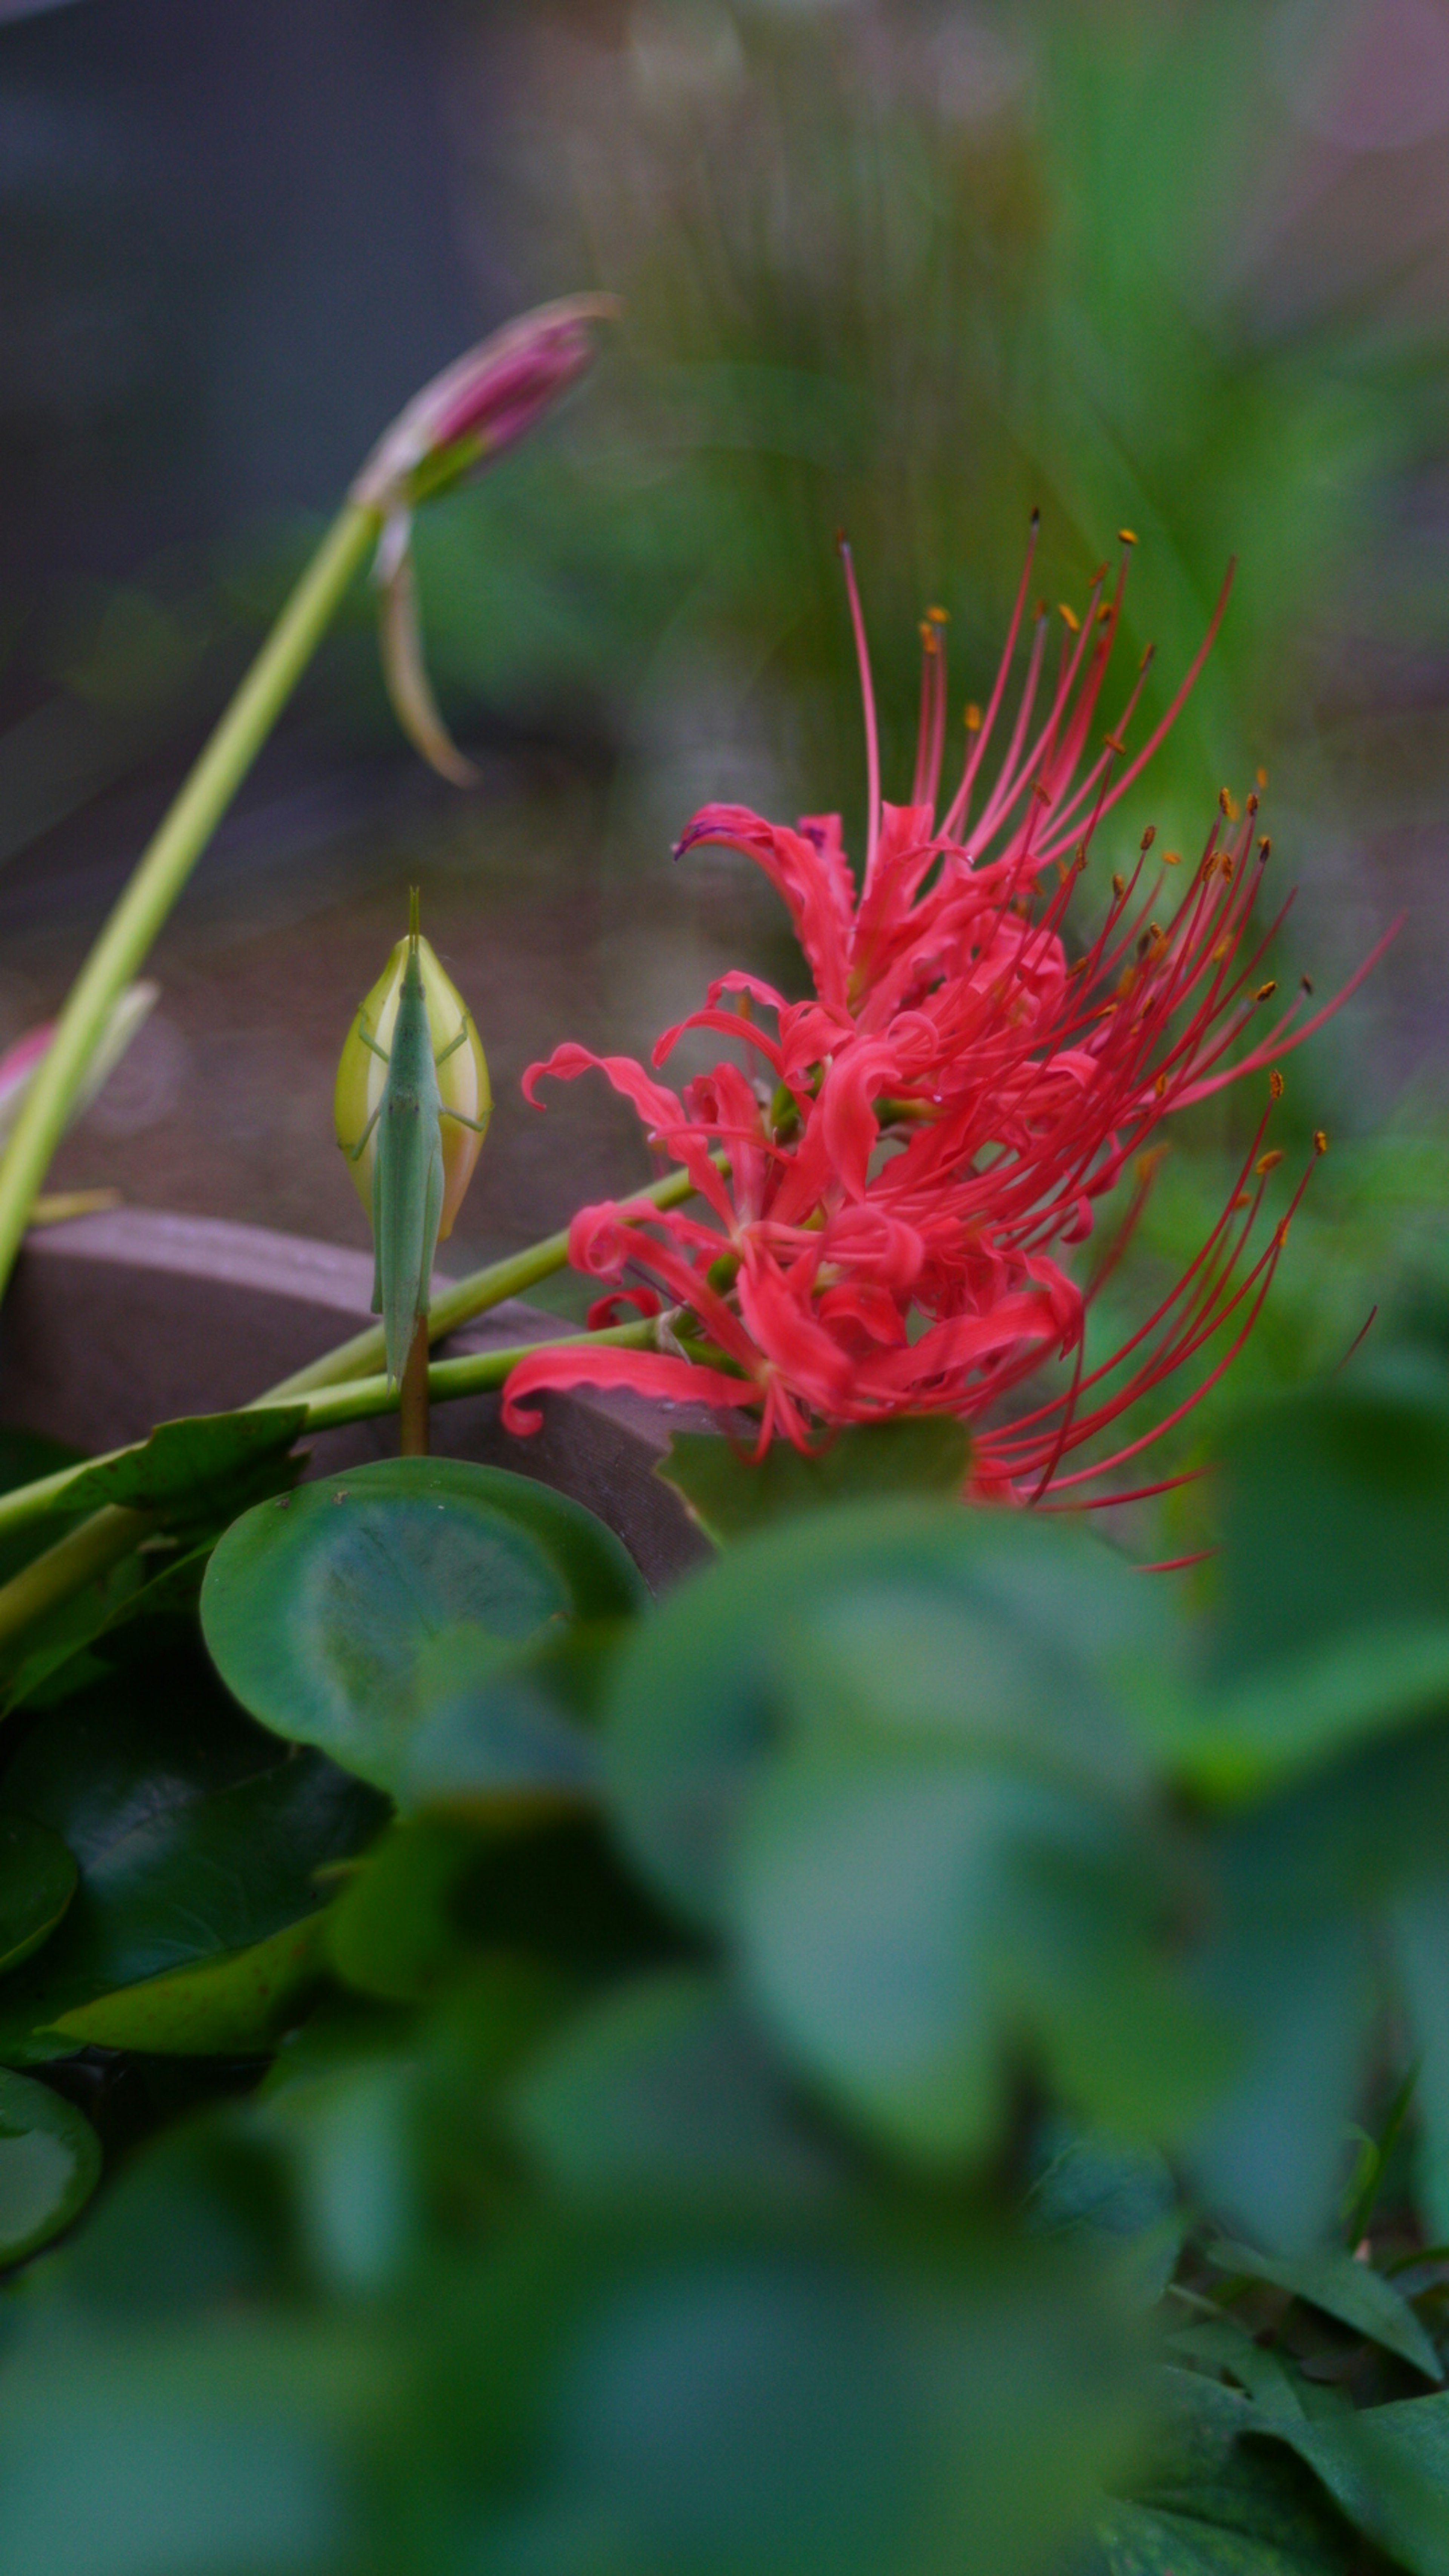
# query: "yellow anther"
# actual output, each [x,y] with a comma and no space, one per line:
[1149,836]
[1266,991]
[1262,778]
[1127,536]
[1172,858]
[1320,1140]
[1119,887]
[1268,1162]
[1114,742]
[939,616]
[1069,617]
[973,718]
[1275,1086]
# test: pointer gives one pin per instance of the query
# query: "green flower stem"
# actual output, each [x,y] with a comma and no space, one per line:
[164,868]
[81,1557]
[464,1299]
[474,1374]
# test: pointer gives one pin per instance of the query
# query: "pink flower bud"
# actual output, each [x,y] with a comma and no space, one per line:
[482,404]
[488,398]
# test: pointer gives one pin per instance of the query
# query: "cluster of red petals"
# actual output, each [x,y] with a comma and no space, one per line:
[884,1193]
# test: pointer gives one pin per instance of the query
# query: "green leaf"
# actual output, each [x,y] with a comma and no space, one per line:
[1302,1995]
[1214,2502]
[514,1744]
[196,1836]
[233,2006]
[199,2451]
[1353,2292]
[439,1892]
[37,1882]
[730,1494]
[172,1469]
[823,2397]
[1309,1707]
[50,2163]
[344,1614]
[913,1926]
[1388,2470]
[1336,1519]
[1093,2188]
[926,1620]
[391,1931]
[667,2088]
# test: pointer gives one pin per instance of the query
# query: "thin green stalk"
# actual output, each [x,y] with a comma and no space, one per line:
[460,1302]
[165,866]
[81,1557]
[474,1374]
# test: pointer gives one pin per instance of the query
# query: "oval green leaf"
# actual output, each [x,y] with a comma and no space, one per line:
[196,1836]
[50,2163]
[236,2006]
[343,1614]
[37,1882]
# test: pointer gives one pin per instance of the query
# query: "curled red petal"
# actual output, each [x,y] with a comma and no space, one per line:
[650,1373]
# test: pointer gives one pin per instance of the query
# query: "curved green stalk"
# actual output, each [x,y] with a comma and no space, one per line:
[165,866]
[462,1300]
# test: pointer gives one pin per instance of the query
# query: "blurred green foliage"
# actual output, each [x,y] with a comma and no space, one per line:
[914,270]
[952,2075]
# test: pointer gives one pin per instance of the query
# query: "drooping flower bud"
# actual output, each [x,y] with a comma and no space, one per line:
[21,1062]
[480,406]
[462,1075]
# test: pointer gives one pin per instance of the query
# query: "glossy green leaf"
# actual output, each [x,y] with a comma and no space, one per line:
[37,1882]
[1353,2292]
[345,1613]
[730,1494]
[172,1470]
[50,2163]
[234,2006]
[970,1627]
[196,1836]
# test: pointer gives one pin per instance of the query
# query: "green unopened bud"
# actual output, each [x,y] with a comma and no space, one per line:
[459,1062]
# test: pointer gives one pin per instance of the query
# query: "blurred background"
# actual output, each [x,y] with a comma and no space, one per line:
[910,266]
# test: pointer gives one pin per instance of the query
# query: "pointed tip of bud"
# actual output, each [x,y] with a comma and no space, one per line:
[486,400]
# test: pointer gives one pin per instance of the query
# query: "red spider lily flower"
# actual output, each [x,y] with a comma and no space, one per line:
[886,1197]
